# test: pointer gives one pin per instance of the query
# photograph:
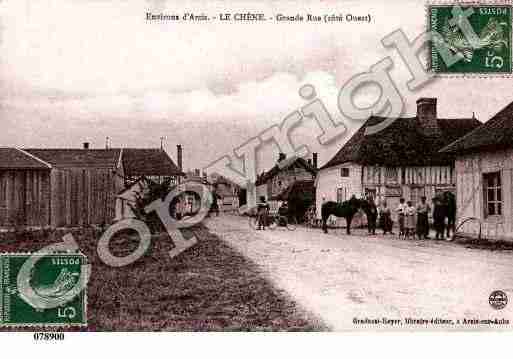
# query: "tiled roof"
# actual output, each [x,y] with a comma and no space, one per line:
[496,133]
[403,143]
[148,162]
[12,158]
[65,157]
[136,161]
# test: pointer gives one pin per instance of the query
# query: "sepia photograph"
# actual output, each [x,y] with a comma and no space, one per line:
[255,166]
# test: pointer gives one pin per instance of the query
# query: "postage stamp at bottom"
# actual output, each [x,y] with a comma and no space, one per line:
[43,290]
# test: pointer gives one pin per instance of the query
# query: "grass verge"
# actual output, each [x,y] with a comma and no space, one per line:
[209,287]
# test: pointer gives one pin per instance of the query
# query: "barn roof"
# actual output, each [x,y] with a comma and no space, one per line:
[149,162]
[301,162]
[136,161]
[496,133]
[13,158]
[76,157]
[402,143]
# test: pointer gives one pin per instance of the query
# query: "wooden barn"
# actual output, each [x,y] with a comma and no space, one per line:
[83,184]
[24,189]
[69,187]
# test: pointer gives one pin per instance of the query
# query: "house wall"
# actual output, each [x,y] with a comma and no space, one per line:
[470,194]
[82,196]
[24,198]
[388,184]
[329,180]
[411,183]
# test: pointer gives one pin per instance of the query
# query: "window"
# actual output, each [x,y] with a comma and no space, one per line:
[492,194]
[344,172]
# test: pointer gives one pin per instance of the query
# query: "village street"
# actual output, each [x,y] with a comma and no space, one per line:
[339,277]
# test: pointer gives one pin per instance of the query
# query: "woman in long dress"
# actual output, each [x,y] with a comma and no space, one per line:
[409,221]
[385,219]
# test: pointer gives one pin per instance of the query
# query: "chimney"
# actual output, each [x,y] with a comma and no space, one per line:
[281,156]
[427,117]
[314,160]
[179,156]
[309,161]
[86,145]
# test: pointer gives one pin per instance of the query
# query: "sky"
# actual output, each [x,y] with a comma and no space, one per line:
[77,71]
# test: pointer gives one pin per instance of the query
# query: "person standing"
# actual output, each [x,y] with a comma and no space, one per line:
[439,214]
[215,205]
[385,219]
[409,221]
[400,210]
[449,201]
[283,212]
[422,219]
[262,211]
[372,216]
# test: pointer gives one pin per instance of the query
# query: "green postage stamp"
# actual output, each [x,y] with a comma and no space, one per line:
[43,289]
[485,49]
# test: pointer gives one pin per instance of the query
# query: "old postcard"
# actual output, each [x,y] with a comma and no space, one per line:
[255,166]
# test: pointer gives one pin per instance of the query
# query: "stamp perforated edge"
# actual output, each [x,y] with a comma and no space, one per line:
[83,293]
[473,75]
[1,289]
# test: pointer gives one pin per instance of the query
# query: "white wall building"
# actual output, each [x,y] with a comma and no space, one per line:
[484,178]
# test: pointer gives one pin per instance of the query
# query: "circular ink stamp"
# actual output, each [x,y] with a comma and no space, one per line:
[498,299]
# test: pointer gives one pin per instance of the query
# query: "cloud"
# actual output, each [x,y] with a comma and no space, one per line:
[81,70]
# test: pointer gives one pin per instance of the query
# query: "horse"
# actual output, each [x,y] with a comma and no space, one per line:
[346,209]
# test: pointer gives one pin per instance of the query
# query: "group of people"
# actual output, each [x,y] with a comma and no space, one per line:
[413,220]
[263,213]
